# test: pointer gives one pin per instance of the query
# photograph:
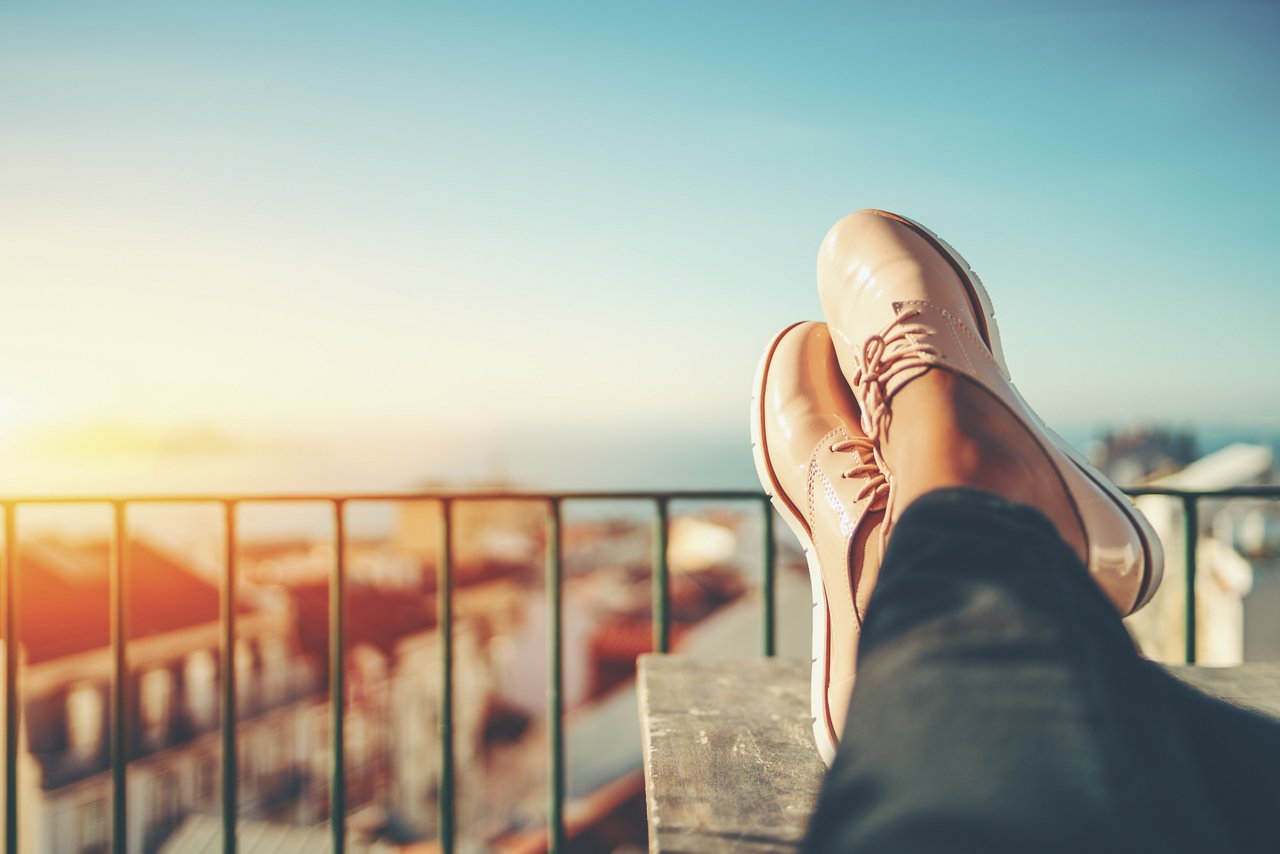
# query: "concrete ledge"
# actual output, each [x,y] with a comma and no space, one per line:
[1255,685]
[729,760]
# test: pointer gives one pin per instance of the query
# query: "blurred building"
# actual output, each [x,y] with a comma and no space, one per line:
[172,702]
[393,682]
[487,535]
[1138,453]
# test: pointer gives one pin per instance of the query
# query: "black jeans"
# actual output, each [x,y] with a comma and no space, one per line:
[1000,705]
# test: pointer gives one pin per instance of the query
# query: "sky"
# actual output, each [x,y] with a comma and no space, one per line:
[310,245]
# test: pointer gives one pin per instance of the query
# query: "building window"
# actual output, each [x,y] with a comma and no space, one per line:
[92,818]
[274,670]
[320,731]
[84,720]
[246,691]
[273,748]
[201,692]
[163,809]
[164,798]
[247,761]
[156,691]
[204,779]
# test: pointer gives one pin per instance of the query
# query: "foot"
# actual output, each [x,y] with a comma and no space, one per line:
[916,339]
[819,471]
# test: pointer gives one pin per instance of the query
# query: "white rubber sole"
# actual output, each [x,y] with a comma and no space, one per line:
[818,661]
[1154,548]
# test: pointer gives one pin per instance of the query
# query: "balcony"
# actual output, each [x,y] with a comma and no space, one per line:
[237,729]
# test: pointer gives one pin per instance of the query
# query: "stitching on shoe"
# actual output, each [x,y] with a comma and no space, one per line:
[813,473]
[958,327]
[814,470]
[842,512]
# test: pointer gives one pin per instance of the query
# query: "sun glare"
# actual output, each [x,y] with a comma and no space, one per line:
[11,412]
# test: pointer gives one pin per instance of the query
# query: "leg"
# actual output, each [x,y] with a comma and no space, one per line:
[1000,706]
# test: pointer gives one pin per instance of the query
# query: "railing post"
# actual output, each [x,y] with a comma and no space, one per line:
[661,577]
[227,725]
[119,583]
[337,692]
[11,706]
[1191,534]
[444,610]
[555,698]
[769,582]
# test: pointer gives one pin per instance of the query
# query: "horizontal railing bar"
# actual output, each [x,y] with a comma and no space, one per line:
[1227,492]
[436,495]
[526,495]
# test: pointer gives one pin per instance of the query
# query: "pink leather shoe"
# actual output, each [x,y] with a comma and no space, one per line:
[900,301]
[817,467]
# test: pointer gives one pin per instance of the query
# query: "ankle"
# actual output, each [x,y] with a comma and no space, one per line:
[944,429]
[950,458]
[947,432]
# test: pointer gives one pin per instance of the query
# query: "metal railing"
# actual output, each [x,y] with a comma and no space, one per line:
[553,502]
[119,574]
[1191,499]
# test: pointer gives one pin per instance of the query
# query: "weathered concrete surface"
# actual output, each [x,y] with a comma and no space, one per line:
[729,760]
[1254,685]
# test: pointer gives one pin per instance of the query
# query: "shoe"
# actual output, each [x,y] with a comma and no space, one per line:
[818,469]
[899,301]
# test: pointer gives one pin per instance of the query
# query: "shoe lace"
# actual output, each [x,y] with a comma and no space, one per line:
[877,485]
[884,356]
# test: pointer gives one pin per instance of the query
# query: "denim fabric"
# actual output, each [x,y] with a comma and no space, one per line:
[1000,705]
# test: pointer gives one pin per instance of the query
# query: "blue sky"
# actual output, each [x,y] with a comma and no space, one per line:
[550,239]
